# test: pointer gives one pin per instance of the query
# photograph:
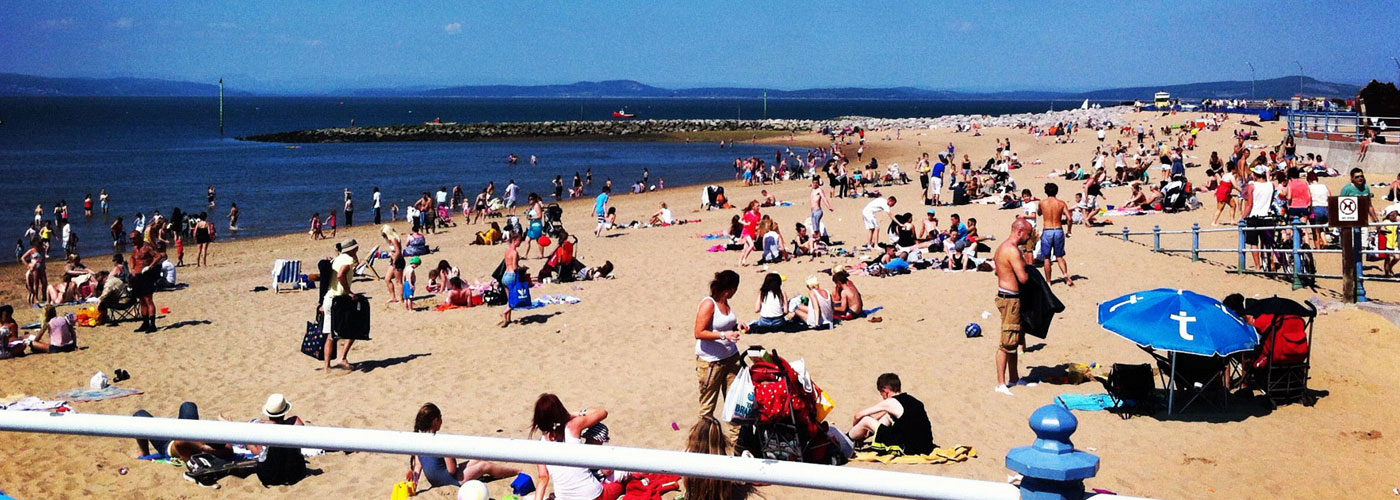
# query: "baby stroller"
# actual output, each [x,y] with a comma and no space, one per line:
[786,427]
[1280,370]
[553,219]
[444,217]
[1174,195]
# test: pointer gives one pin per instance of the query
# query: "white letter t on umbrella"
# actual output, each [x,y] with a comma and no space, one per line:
[1181,320]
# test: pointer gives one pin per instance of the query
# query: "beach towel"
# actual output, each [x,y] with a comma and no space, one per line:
[1086,402]
[874,310]
[32,403]
[937,456]
[85,394]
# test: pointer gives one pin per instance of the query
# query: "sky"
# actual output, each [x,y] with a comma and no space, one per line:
[289,46]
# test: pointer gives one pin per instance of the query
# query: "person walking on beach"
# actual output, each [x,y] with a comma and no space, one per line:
[511,191]
[818,202]
[600,209]
[349,209]
[330,222]
[343,265]
[1053,216]
[717,359]
[374,199]
[1011,273]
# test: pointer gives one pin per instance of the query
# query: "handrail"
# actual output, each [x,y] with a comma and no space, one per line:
[802,475]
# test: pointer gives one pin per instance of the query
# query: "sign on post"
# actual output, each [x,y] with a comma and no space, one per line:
[1348,211]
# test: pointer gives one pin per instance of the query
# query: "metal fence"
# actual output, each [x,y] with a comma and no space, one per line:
[1053,469]
[1342,126]
[1284,256]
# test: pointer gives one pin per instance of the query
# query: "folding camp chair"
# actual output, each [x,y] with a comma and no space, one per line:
[1280,370]
[127,308]
[285,272]
[368,264]
[1195,375]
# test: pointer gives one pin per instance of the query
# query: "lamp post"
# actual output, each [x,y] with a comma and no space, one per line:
[1251,80]
[1300,77]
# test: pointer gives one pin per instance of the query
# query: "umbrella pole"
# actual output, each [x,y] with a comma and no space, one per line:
[1171,387]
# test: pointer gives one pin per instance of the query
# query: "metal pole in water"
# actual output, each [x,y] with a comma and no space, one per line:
[221,107]
[765,105]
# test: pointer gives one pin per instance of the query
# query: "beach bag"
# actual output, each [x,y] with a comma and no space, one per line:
[402,491]
[773,400]
[739,400]
[824,404]
[350,317]
[314,343]
[518,294]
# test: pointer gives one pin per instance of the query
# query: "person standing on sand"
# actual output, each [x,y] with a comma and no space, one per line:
[717,359]
[203,236]
[375,200]
[508,278]
[349,210]
[1053,215]
[1011,273]
[600,209]
[145,269]
[819,201]
[344,267]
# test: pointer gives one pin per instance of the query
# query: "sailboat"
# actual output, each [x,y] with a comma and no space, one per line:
[1085,105]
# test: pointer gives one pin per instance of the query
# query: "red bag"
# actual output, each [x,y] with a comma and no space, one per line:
[1289,343]
[773,400]
[763,371]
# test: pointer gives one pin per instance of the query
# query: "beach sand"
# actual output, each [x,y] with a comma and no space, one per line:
[628,347]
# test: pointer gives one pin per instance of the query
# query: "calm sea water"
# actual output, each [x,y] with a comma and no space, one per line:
[159,153]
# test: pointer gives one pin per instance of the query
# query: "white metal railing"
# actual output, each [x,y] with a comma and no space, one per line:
[825,477]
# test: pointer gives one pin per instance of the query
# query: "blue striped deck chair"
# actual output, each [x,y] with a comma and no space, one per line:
[285,272]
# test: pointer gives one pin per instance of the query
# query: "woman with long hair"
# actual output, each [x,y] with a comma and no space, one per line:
[716,342]
[203,236]
[771,305]
[750,219]
[557,425]
[707,437]
[393,278]
[448,471]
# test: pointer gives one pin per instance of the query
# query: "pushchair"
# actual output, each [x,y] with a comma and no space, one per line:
[1280,367]
[553,219]
[786,427]
[444,217]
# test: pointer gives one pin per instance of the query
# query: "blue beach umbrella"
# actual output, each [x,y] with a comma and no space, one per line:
[1167,319]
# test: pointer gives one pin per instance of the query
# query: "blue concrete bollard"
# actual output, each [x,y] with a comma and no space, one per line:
[1051,468]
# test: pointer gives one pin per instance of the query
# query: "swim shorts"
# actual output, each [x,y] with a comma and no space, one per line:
[1052,240]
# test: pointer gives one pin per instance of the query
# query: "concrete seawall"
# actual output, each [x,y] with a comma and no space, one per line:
[1341,155]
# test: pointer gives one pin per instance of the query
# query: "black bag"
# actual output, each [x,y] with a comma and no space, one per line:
[350,317]
[779,442]
[495,296]
[1132,383]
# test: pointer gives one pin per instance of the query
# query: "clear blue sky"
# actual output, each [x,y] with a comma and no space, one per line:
[984,45]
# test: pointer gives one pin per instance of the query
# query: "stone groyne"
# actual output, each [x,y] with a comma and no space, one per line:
[644,129]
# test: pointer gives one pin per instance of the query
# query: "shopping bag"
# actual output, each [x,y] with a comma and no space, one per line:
[738,400]
[824,404]
[314,343]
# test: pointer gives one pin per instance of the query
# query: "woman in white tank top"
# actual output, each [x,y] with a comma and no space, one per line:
[716,337]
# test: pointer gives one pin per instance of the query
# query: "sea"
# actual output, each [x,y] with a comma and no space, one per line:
[158,153]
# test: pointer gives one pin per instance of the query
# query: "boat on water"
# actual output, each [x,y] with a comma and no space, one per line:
[622,113]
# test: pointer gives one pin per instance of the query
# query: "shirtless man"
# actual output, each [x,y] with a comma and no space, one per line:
[508,278]
[819,200]
[1011,273]
[847,303]
[1053,215]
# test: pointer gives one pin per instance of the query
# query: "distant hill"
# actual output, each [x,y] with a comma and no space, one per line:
[12,84]
[1278,88]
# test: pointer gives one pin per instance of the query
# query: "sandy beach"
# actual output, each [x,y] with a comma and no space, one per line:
[628,347]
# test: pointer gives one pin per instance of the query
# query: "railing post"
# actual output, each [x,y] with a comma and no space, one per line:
[1240,269]
[1156,238]
[1195,242]
[1125,233]
[1297,260]
[1051,468]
